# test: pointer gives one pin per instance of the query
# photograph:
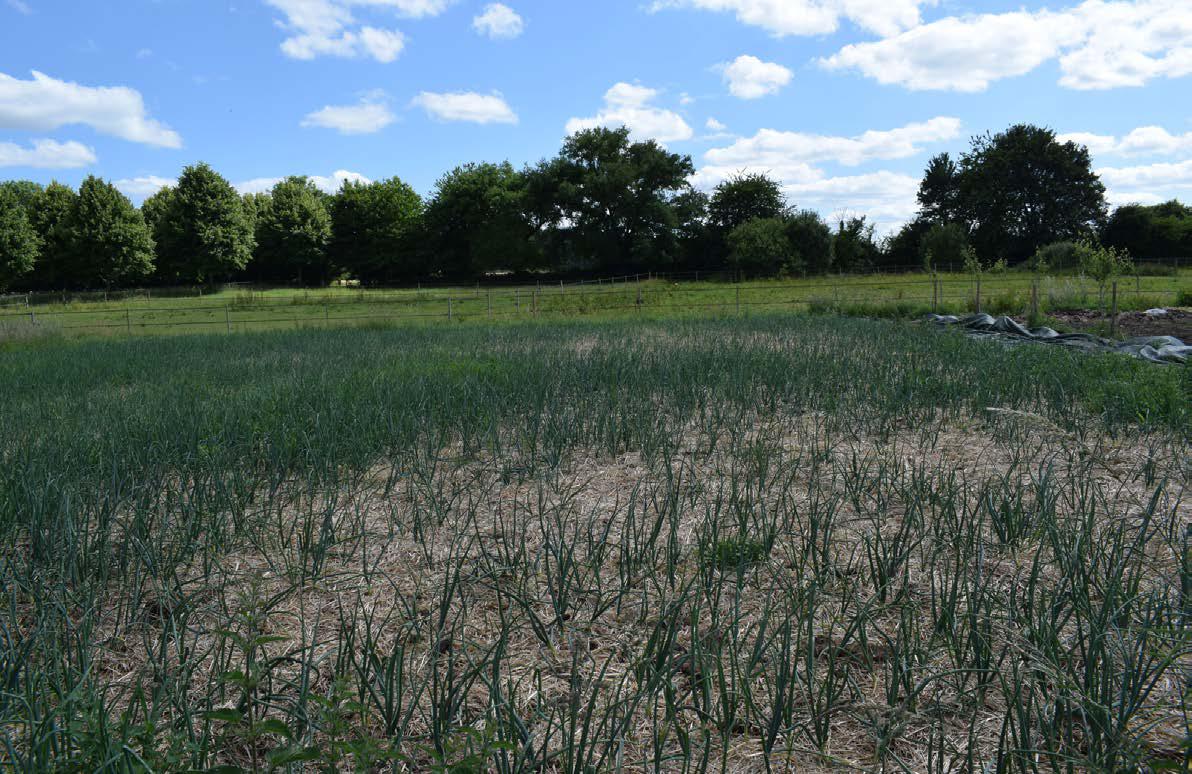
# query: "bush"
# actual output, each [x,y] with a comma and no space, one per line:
[1057,255]
[760,248]
[944,245]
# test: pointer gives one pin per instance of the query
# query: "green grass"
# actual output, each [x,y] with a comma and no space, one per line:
[681,544]
[876,295]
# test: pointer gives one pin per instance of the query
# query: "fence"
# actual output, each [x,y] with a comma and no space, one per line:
[1025,295]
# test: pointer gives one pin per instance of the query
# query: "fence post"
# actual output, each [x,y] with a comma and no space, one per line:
[561,291]
[639,297]
[327,314]
[450,311]
[128,320]
[1113,325]
[228,318]
[517,298]
[738,300]
[536,301]
[488,295]
[978,294]
[935,295]
[1034,302]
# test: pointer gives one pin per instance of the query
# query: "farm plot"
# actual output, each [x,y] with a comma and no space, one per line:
[775,543]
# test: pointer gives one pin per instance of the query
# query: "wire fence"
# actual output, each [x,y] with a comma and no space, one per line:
[1025,295]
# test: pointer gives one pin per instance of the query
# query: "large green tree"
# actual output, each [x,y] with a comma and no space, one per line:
[1023,188]
[112,243]
[811,241]
[939,191]
[615,197]
[19,244]
[1160,231]
[205,234]
[293,232]
[478,220]
[743,198]
[853,248]
[53,217]
[375,230]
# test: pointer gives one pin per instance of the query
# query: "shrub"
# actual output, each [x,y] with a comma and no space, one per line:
[760,247]
[944,245]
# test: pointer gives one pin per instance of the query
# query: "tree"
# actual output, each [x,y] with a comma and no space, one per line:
[944,246]
[294,232]
[760,248]
[692,230]
[853,248]
[477,221]
[52,218]
[1023,188]
[904,248]
[811,242]
[207,234]
[743,198]
[111,243]
[19,244]
[375,227]
[1103,265]
[615,197]
[939,192]
[1155,232]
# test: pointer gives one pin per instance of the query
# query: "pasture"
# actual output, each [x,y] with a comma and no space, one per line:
[773,543]
[884,295]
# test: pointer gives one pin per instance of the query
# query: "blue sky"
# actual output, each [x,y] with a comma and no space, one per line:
[842,100]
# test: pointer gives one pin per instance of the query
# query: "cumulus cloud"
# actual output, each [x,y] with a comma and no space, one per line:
[812,17]
[631,106]
[466,106]
[789,156]
[887,199]
[330,27]
[750,78]
[371,115]
[1099,44]
[329,184]
[20,6]
[143,187]
[1143,141]
[45,103]
[46,154]
[499,21]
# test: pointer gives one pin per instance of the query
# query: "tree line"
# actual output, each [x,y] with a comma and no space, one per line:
[604,204]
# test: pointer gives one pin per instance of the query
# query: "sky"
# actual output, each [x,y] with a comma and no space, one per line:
[842,101]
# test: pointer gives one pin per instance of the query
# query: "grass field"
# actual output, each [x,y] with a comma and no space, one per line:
[901,295]
[775,542]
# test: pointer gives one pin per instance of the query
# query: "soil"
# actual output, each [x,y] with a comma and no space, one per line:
[1177,322]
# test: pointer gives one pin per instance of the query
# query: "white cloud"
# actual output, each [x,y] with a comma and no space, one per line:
[330,184]
[499,21]
[370,116]
[144,187]
[1164,175]
[750,78]
[20,6]
[715,126]
[630,105]
[45,103]
[330,28]
[812,17]
[1099,44]
[886,199]
[1143,141]
[788,156]
[467,106]
[47,154]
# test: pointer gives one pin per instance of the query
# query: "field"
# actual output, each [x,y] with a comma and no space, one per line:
[776,542]
[896,295]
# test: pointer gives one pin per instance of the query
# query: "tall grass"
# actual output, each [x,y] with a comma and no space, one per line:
[767,543]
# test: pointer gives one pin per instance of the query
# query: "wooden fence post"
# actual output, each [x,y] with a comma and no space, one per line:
[228,318]
[1113,325]
[128,320]
[450,311]
[517,298]
[738,300]
[1034,302]
[488,295]
[978,294]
